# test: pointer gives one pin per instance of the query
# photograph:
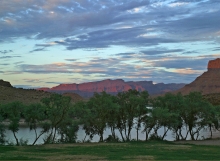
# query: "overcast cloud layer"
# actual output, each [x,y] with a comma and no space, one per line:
[47,42]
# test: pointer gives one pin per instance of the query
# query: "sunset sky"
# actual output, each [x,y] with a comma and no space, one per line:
[47,42]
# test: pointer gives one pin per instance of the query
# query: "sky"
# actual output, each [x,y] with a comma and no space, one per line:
[44,43]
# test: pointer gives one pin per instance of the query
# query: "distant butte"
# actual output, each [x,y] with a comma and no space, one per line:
[208,82]
[87,90]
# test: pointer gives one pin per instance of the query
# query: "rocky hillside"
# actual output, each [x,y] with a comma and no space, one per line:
[27,96]
[208,82]
[213,98]
[5,83]
[113,87]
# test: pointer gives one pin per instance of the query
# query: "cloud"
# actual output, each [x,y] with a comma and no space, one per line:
[91,24]
[158,37]
[71,59]
[26,86]
[4,64]
[216,49]
[161,51]
[38,49]
[9,57]
[6,51]
[19,62]
[187,62]
[179,69]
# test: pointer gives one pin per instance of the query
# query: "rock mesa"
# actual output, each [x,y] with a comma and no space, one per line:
[214,64]
[87,90]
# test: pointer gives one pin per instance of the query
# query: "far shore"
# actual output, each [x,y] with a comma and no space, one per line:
[214,141]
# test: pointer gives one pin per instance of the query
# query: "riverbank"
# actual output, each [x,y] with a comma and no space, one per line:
[200,142]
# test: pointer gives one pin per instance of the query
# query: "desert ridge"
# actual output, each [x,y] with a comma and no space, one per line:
[207,83]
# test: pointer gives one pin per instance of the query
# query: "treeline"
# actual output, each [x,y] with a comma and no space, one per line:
[129,110]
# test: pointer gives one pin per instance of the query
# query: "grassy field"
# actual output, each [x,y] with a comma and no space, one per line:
[151,150]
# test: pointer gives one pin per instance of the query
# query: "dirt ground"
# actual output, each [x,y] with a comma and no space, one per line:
[200,142]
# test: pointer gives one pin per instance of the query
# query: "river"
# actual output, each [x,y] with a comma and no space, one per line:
[25,134]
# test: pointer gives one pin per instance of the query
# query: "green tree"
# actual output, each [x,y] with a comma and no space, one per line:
[195,112]
[69,127]
[100,106]
[2,126]
[13,112]
[36,117]
[113,110]
[83,115]
[169,113]
[132,104]
[149,121]
[142,102]
[57,107]
[2,131]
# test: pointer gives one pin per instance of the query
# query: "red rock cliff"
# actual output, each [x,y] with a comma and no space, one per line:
[214,64]
[113,87]
[208,82]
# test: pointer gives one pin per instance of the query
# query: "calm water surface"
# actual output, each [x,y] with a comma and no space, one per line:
[25,134]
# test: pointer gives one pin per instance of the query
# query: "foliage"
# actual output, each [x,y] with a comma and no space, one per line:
[59,120]
[13,112]
[35,117]
[101,110]
[2,132]
[113,139]
[57,111]
[132,104]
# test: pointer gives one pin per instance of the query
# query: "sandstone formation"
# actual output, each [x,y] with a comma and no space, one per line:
[208,82]
[86,90]
[214,64]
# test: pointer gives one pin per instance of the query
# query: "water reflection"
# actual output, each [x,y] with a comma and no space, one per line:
[25,134]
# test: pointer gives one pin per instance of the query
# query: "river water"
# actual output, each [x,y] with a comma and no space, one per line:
[25,134]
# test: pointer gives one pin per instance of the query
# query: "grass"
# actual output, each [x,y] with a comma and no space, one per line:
[151,150]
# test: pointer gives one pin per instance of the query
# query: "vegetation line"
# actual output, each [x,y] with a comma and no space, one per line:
[57,115]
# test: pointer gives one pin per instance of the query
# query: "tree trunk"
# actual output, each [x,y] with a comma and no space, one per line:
[180,134]
[113,132]
[101,136]
[165,132]
[186,135]
[84,138]
[49,137]
[146,135]
[177,135]
[54,135]
[210,128]
[17,142]
[191,134]
[121,135]
[37,137]
[138,127]
[129,131]
[125,131]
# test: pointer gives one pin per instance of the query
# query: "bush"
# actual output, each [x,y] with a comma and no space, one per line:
[155,137]
[110,138]
[23,142]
